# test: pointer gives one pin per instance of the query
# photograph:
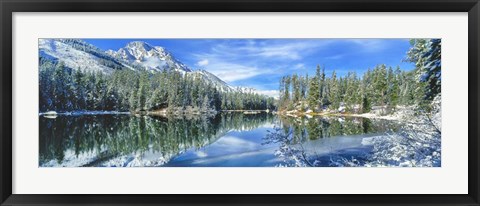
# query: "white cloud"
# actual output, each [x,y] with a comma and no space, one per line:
[299,66]
[270,93]
[236,143]
[201,154]
[335,57]
[234,61]
[369,45]
[292,50]
[203,62]
[230,69]
[231,72]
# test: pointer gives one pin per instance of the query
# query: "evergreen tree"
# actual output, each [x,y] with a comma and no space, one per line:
[296,84]
[314,91]
[432,69]
[206,103]
[367,90]
[351,96]
[393,89]
[133,100]
[334,93]
[303,87]
[380,85]
[323,87]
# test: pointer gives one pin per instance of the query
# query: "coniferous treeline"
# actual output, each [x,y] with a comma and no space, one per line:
[65,89]
[380,86]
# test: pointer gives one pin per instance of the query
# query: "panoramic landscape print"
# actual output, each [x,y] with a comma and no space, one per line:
[239,102]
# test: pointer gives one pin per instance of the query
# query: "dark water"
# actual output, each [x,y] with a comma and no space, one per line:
[227,139]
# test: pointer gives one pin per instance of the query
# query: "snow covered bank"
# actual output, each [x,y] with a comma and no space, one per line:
[417,145]
[400,113]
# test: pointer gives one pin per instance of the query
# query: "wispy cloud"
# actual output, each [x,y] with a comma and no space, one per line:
[283,49]
[299,66]
[230,72]
[201,154]
[270,93]
[335,57]
[369,45]
[229,143]
[202,63]
[234,60]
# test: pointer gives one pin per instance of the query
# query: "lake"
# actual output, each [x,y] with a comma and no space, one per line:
[225,140]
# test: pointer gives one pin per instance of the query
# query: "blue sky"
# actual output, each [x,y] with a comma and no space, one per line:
[260,63]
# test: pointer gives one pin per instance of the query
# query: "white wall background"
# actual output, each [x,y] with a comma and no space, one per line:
[450,178]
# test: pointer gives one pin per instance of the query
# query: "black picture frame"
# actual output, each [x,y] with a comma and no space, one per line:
[7,7]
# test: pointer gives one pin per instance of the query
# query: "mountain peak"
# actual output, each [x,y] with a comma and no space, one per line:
[150,57]
[139,45]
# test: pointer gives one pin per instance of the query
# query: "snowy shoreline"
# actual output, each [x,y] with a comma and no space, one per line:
[396,116]
[401,113]
[370,116]
[158,112]
[75,113]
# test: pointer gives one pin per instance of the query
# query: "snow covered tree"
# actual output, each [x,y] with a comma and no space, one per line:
[393,92]
[352,95]
[206,103]
[380,84]
[287,82]
[314,91]
[426,55]
[432,69]
[303,87]
[323,88]
[296,88]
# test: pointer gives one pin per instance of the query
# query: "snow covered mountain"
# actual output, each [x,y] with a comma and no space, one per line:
[150,57]
[217,82]
[156,58]
[77,54]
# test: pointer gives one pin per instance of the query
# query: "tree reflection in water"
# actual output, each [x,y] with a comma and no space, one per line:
[298,138]
[89,140]
[99,140]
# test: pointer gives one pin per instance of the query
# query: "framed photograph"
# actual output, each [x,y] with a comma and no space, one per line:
[253,103]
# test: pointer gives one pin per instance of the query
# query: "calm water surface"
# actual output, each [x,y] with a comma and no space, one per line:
[225,140]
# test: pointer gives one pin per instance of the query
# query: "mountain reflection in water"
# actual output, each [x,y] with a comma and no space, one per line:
[227,139]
